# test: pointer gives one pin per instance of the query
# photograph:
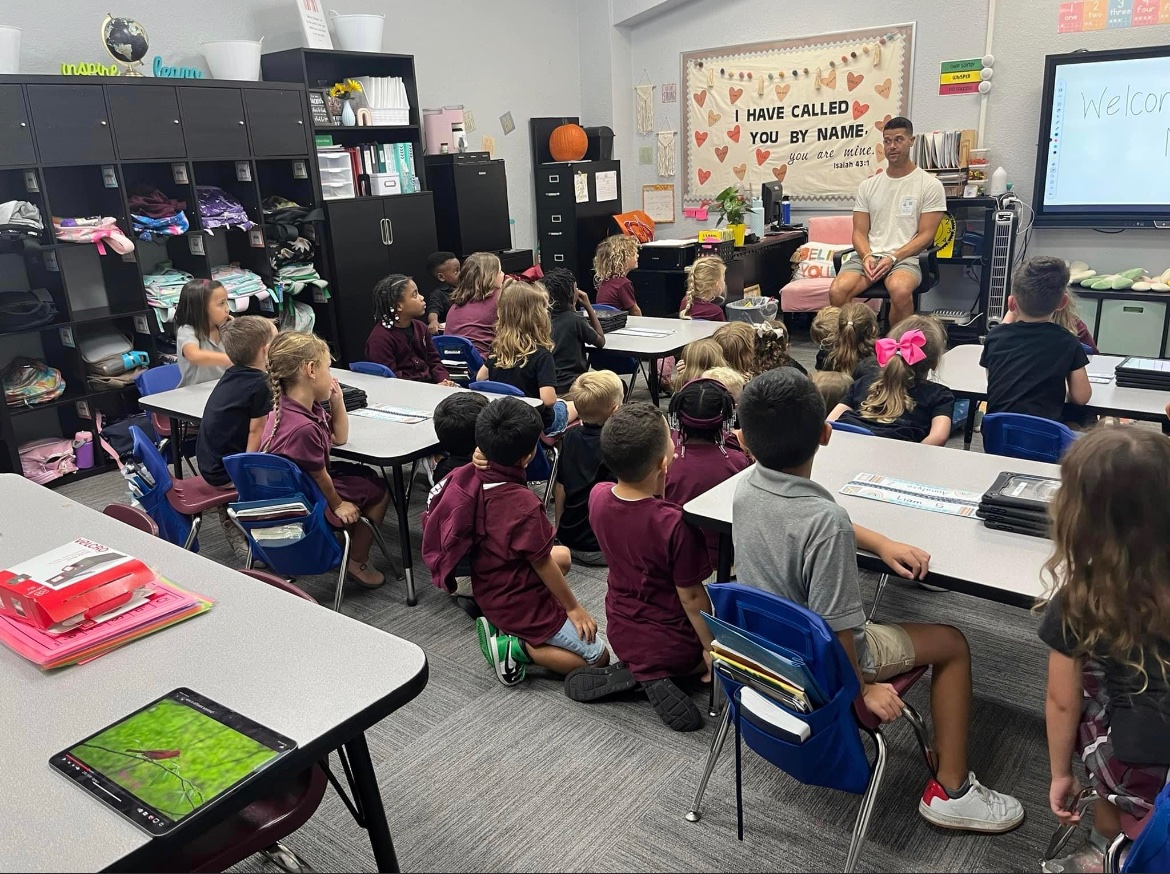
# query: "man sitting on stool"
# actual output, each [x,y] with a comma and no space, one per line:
[895,218]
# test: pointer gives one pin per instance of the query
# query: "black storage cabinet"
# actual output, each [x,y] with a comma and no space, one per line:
[471,202]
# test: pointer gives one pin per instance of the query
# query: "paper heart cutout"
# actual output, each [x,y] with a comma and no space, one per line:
[704,175]
[701,97]
[739,170]
[782,92]
[859,109]
[830,80]
[881,125]
[712,117]
[734,93]
[700,137]
[884,88]
[733,134]
[852,80]
[881,151]
[721,153]
[762,155]
[780,172]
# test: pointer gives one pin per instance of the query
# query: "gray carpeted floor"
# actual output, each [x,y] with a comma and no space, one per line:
[477,776]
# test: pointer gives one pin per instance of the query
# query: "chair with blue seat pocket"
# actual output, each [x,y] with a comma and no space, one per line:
[261,476]
[155,381]
[542,468]
[851,429]
[458,354]
[176,506]
[832,755]
[1028,437]
[371,368]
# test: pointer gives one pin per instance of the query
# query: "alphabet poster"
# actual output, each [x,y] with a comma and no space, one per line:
[807,111]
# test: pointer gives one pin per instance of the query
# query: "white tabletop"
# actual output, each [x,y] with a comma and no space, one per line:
[961,373]
[372,441]
[964,554]
[294,666]
[682,332]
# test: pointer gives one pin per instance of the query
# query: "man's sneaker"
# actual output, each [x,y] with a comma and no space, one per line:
[504,652]
[979,809]
[673,705]
[590,683]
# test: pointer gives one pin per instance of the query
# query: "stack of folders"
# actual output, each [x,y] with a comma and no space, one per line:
[273,522]
[354,398]
[943,149]
[387,168]
[1149,373]
[782,684]
[1019,502]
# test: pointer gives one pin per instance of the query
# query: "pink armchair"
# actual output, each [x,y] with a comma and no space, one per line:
[809,295]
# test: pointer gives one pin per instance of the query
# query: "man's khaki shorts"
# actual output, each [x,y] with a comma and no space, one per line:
[853,265]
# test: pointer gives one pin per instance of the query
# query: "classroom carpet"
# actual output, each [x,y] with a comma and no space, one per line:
[477,776]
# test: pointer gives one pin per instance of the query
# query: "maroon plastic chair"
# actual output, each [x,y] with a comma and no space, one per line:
[278,583]
[193,496]
[132,516]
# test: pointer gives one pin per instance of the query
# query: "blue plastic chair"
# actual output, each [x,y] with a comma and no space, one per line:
[1088,349]
[155,381]
[261,476]
[461,352]
[1028,437]
[371,368]
[851,429]
[541,469]
[833,755]
[176,506]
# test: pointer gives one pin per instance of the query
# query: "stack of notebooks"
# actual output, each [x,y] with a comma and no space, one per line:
[1151,373]
[1019,502]
[354,398]
[781,686]
[274,521]
[149,604]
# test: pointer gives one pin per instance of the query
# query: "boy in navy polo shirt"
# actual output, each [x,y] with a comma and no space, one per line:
[237,409]
[530,614]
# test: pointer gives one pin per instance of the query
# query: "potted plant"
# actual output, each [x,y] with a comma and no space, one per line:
[732,206]
[346,91]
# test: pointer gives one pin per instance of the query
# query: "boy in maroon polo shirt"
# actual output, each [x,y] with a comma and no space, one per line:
[529,612]
[657,564]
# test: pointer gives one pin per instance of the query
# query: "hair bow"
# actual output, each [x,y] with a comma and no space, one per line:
[909,347]
[532,275]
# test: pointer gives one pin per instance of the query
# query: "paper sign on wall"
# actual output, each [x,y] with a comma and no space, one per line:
[658,202]
[960,77]
[669,92]
[507,123]
[313,24]
[1110,14]
[581,187]
[607,188]
[488,144]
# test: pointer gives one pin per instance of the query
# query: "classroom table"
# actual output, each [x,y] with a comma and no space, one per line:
[678,334]
[298,668]
[961,373]
[375,442]
[965,555]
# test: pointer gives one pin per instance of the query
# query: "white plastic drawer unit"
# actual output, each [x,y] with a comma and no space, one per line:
[1131,327]
[337,181]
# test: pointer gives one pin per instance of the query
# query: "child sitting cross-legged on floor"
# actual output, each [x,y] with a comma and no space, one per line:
[657,564]
[530,615]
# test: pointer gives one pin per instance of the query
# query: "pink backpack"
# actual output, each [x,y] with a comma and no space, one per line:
[45,460]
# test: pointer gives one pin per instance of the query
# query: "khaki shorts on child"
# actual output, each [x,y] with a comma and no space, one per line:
[891,649]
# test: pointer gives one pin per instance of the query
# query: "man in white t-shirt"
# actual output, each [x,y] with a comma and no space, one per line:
[894,219]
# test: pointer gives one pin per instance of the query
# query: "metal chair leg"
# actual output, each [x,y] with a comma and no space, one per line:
[877,596]
[861,827]
[552,476]
[714,694]
[1113,853]
[695,813]
[382,546]
[196,523]
[1064,833]
[340,593]
[923,736]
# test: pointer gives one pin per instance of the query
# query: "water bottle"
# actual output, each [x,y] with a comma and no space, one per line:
[755,218]
[785,210]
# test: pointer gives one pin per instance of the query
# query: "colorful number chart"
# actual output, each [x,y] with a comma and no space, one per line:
[1110,14]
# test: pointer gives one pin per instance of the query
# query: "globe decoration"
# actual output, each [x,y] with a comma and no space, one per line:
[126,42]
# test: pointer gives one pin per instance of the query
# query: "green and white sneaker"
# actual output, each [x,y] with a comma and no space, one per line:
[504,652]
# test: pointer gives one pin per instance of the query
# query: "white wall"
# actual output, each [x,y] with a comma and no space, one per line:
[517,55]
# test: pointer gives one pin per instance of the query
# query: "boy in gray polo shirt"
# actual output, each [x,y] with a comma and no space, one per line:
[793,539]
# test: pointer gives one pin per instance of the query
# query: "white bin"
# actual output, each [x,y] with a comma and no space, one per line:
[233,59]
[358,33]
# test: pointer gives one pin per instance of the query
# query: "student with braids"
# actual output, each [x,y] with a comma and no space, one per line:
[706,280]
[851,348]
[702,414]
[308,418]
[900,401]
[400,339]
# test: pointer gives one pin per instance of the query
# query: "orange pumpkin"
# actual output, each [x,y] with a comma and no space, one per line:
[569,142]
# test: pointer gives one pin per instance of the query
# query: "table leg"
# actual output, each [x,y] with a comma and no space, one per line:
[723,574]
[177,447]
[652,379]
[969,425]
[400,507]
[369,797]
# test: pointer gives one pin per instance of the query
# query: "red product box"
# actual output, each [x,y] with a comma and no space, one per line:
[64,587]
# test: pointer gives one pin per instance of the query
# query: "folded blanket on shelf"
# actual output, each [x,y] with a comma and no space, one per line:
[149,201]
[147,228]
[218,209]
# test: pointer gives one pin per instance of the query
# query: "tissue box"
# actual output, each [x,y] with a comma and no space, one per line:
[78,581]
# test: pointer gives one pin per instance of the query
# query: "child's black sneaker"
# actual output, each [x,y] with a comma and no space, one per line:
[673,705]
[589,683]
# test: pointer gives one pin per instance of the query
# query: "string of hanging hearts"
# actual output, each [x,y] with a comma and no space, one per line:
[870,51]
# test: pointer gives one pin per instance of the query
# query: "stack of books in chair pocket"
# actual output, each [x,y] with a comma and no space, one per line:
[82,600]
[776,683]
[1150,373]
[273,522]
[1019,502]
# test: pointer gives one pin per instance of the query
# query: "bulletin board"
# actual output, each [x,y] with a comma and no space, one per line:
[807,111]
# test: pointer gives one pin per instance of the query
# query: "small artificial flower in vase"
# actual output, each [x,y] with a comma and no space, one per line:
[346,91]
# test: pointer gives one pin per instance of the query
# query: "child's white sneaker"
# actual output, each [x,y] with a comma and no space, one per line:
[979,809]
